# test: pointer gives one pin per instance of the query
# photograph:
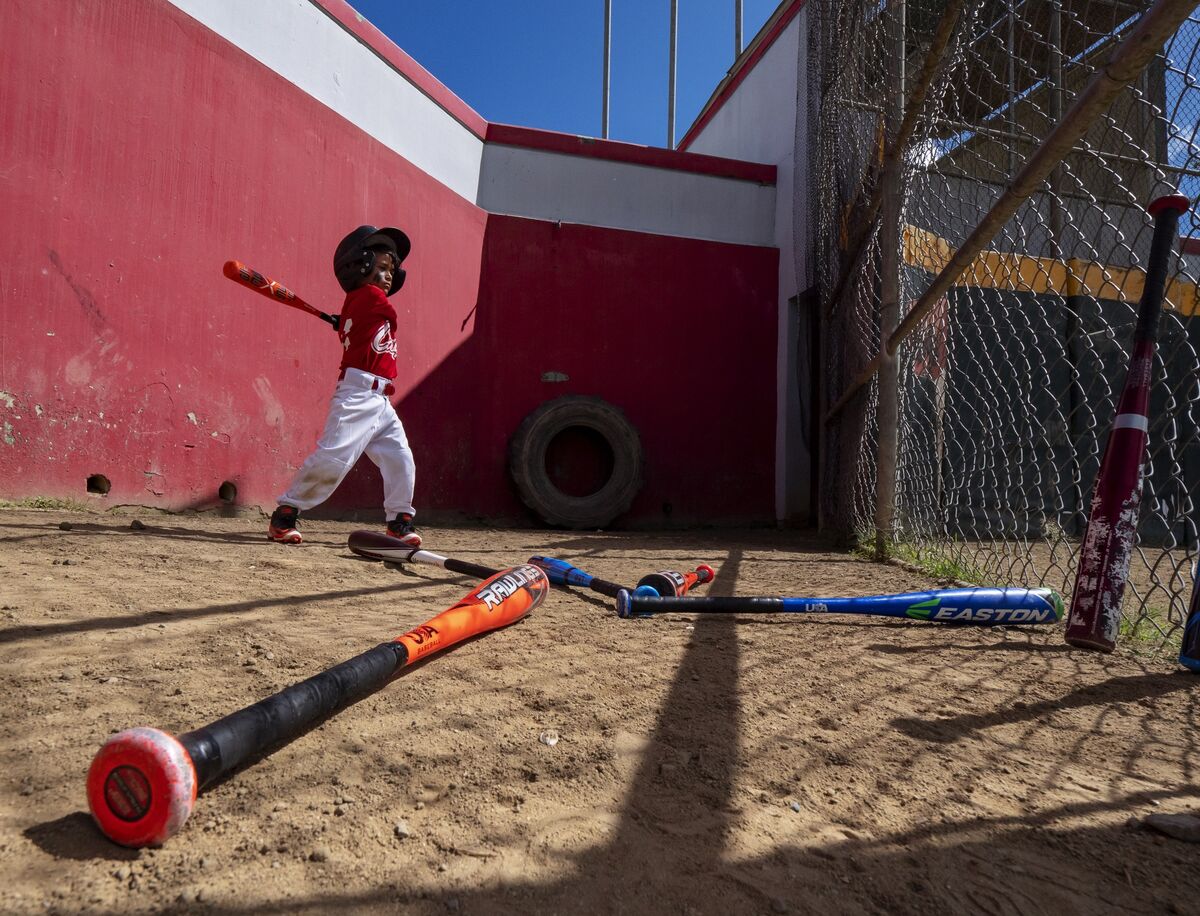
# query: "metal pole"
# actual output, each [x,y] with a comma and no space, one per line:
[1010,116]
[1128,60]
[888,411]
[1156,92]
[1071,328]
[671,78]
[934,60]
[737,29]
[1057,220]
[607,64]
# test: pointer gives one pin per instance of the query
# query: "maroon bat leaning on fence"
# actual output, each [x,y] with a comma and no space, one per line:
[1108,543]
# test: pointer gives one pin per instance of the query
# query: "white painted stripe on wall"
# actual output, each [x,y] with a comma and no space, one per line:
[300,42]
[619,195]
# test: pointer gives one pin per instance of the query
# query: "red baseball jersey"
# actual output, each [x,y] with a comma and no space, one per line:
[368,332]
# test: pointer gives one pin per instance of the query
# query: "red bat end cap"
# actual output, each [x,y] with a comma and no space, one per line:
[231,269]
[1176,202]
[141,787]
[705,573]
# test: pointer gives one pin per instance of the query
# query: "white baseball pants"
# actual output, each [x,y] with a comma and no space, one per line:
[361,419]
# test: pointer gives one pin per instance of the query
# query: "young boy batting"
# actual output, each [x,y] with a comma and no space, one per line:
[361,416]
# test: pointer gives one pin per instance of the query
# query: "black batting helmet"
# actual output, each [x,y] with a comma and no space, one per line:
[355,255]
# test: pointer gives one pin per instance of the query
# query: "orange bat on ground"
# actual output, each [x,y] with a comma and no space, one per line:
[143,782]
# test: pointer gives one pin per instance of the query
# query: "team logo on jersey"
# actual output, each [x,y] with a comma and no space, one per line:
[384,342]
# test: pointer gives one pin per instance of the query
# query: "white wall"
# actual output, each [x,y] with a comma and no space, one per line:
[621,195]
[299,41]
[758,122]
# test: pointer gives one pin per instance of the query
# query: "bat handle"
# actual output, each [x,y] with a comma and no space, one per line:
[468,569]
[704,573]
[604,587]
[625,601]
[335,320]
[142,784]
[560,572]
[1166,212]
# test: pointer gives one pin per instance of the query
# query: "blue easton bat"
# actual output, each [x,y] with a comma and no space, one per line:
[560,572]
[955,605]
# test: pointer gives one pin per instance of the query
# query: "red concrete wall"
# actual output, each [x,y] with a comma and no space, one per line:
[139,151]
[673,331]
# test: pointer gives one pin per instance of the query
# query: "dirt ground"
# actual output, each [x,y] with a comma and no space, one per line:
[814,764]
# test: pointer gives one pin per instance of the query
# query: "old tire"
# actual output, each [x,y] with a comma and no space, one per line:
[576,461]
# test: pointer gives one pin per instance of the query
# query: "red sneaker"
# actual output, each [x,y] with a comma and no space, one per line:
[401,528]
[285,525]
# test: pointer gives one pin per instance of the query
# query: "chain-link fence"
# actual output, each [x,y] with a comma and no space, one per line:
[981,175]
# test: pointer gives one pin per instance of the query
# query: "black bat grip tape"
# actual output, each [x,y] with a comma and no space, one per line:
[605,587]
[469,569]
[224,745]
[706,605]
[1166,227]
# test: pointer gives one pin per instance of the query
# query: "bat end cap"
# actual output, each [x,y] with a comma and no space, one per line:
[1174,202]
[141,787]
[623,604]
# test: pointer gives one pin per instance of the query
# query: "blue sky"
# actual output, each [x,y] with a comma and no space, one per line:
[538,63]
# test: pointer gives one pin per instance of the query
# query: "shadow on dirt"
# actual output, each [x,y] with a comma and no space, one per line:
[1021,869]
[143,618]
[1008,644]
[1127,689]
[173,532]
[76,836]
